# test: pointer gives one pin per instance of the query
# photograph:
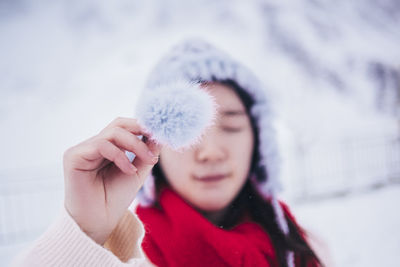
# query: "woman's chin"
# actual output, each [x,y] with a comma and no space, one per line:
[211,204]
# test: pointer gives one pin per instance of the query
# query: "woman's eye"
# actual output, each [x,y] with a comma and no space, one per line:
[231,129]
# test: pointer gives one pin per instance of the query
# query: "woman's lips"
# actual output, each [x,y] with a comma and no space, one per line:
[211,178]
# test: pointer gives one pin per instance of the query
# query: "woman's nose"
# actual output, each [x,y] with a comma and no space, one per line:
[210,149]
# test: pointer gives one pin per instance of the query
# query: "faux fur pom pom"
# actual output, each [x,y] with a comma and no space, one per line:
[177,113]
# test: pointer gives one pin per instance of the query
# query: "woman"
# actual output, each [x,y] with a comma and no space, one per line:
[213,204]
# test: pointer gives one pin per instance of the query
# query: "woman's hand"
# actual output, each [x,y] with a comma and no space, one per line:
[101,182]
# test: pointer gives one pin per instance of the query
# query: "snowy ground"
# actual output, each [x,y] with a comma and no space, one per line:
[359,230]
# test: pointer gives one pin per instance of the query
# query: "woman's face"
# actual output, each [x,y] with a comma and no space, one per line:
[211,174]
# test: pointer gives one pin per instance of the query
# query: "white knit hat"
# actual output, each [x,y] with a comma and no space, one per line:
[196,60]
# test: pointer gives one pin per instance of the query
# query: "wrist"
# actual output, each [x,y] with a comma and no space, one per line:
[97,232]
[100,237]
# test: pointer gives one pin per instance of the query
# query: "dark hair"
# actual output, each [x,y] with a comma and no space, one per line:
[250,201]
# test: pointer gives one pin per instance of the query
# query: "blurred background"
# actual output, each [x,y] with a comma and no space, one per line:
[67,68]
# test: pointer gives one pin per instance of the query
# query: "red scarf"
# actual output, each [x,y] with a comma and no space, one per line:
[178,235]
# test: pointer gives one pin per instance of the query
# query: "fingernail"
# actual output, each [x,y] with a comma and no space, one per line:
[133,168]
[151,154]
[155,160]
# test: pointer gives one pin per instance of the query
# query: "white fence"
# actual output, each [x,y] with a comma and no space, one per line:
[338,168]
[28,205]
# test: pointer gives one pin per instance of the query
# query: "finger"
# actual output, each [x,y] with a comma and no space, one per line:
[143,167]
[111,152]
[129,124]
[128,141]
[153,146]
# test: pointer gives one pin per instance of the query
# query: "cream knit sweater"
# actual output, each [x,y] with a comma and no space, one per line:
[65,244]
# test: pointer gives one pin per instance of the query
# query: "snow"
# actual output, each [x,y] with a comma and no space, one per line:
[358,230]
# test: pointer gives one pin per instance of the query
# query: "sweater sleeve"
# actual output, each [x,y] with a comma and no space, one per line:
[65,244]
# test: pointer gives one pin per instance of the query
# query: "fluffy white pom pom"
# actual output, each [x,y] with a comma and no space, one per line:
[177,113]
